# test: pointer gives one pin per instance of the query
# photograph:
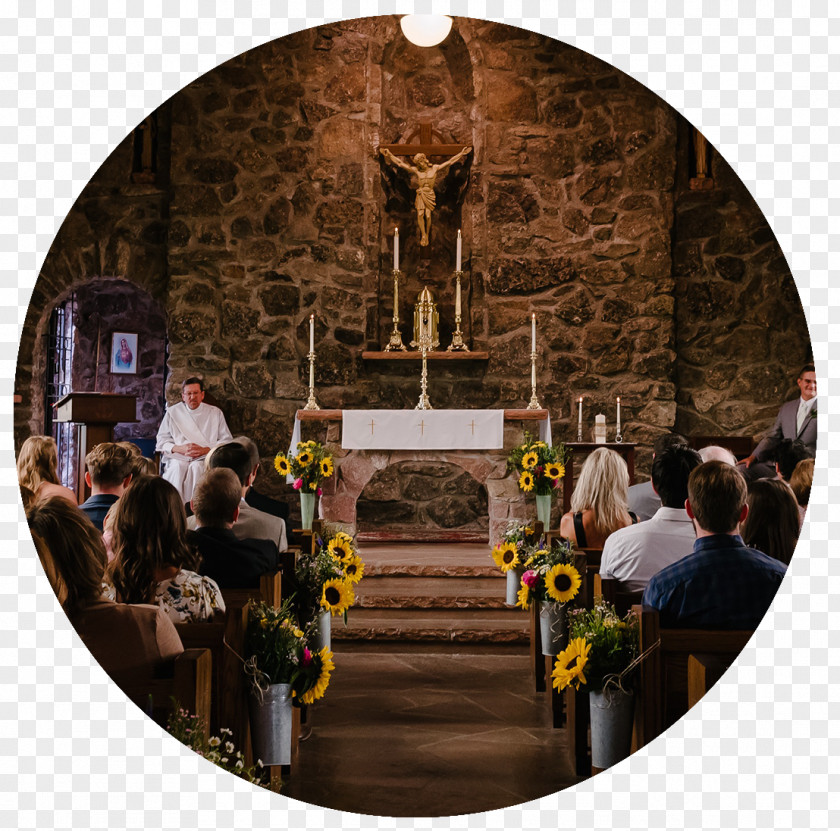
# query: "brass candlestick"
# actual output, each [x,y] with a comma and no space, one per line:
[534,404]
[457,344]
[424,403]
[311,403]
[396,344]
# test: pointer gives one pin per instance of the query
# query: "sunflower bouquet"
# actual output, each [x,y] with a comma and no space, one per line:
[516,546]
[549,576]
[539,466]
[277,652]
[601,652]
[309,466]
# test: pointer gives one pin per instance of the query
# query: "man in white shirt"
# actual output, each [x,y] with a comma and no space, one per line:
[635,553]
[187,433]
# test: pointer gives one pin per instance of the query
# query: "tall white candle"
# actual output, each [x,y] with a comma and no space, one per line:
[458,252]
[580,413]
[533,332]
[311,333]
[458,298]
[396,249]
[618,414]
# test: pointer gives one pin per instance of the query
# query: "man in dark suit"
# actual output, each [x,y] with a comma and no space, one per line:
[797,419]
[233,563]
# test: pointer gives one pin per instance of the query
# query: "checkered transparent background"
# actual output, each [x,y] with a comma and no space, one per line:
[760,78]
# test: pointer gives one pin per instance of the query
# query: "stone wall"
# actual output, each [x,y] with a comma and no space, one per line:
[274,204]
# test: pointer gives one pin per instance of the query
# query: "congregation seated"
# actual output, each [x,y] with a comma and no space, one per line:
[642,499]
[129,641]
[634,554]
[109,470]
[139,463]
[231,562]
[252,524]
[37,468]
[153,562]
[800,483]
[772,524]
[722,584]
[787,454]
[599,501]
[259,500]
[714,452]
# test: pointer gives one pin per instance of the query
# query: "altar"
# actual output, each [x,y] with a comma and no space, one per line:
[366,442]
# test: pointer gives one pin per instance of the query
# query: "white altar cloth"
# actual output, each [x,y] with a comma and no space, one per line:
[422,429]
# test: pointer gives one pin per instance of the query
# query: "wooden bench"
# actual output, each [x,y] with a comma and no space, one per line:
[663,695]
[613,592]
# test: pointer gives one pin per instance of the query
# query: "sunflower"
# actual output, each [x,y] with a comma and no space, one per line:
[571,663]
[526,481]
[337,596]
[304,458]
[354,568]
[529,460]
[340,547]
[506,556]
[555,471]
[562,582]
[281,465]
[523,597]
[320,686]
[326,467]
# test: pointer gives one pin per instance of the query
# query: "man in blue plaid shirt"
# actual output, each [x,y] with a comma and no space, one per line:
[722,584]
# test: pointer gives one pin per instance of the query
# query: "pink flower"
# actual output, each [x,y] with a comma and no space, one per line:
[298,484]
[530,578]
[307,656]
[320,491]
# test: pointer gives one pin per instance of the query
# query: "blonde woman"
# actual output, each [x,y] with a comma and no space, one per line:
[37,466]
[599,501]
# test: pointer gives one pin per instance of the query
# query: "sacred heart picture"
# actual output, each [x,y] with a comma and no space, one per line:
[415,421]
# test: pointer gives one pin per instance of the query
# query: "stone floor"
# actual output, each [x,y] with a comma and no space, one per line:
[413,734]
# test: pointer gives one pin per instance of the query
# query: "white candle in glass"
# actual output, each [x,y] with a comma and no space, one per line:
[458,252]
[533,332]
[311,333]
[396,249]
[618,414]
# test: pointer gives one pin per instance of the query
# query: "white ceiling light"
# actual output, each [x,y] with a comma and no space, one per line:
[426,29]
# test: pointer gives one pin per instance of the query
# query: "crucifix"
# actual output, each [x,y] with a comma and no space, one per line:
[423,172]
[372,422]
[422,426]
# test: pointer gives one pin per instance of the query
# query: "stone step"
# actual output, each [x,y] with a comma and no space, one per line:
[424,592]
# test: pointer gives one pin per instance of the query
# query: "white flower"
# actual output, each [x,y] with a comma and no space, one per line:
[215,741]
[239,765]
[228,747]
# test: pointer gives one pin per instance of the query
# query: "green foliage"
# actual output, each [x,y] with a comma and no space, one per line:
[536,459]
[274,641]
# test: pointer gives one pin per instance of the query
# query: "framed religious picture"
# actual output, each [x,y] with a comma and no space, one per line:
[124,353]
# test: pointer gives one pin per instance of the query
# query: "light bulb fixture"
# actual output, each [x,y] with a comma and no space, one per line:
[426,29]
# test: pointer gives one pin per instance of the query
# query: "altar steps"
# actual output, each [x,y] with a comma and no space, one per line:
[431,598]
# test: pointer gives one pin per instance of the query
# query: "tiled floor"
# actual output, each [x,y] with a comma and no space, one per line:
[417,734]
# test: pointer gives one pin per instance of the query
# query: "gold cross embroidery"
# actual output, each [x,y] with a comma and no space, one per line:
[472,426]
[372,422]
[422,425]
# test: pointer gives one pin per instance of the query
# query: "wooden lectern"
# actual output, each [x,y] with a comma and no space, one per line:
[96,413]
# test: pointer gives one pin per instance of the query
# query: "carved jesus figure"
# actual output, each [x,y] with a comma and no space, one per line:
[425,175]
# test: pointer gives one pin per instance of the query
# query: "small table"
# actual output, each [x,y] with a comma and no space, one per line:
[626,449]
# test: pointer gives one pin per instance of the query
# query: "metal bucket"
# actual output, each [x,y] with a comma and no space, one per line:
[611,720]
[271,725]
[553,630]
[514,581]
[321,634]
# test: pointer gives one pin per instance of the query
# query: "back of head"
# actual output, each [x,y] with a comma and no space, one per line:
[670,472]
[216,498]
[772,524]
[109,464]
[139,463]
[149,528]
[602,488]
[37,462]
[233,456]
[251,447]
[71,551]
[787,454]
[716,453]
[668,440]
[717,493]
[801,480]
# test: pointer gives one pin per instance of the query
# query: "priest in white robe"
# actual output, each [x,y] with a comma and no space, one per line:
[187,433]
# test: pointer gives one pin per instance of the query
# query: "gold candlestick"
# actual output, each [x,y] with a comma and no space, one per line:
[311,403]
[457,344]
[534,404]
[424,403]
[396,344]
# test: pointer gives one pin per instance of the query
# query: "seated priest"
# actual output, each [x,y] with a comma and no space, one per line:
[722,584]
[109,470]
[187,433]
[231,562]
[252,523]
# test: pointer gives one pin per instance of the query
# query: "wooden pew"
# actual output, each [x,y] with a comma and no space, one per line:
[663,675]
[704,671]
[613,592]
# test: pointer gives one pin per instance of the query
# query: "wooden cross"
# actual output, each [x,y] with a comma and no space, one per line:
[372,422]
[424,133]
